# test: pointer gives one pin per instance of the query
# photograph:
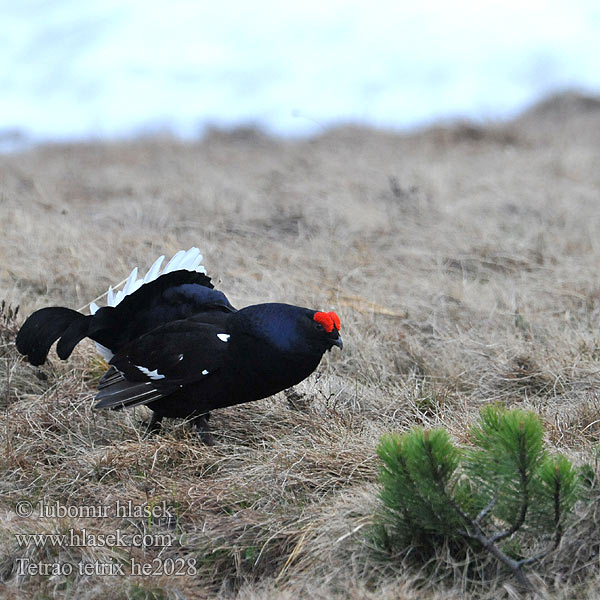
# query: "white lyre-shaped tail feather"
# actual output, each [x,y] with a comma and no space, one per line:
[189,260]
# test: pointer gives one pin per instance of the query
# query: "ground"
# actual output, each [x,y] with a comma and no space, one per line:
[462,259]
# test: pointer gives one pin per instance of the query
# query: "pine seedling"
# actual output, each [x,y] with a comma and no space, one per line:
[502,497]
[419,484]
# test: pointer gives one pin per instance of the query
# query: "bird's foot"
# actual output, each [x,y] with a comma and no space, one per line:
[203,429]
[153,425]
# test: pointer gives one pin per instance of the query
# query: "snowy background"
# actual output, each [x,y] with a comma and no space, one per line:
[112,68]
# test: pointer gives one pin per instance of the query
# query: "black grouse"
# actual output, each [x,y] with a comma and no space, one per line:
[177,345]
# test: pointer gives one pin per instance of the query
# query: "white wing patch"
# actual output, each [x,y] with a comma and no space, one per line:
[152,374]
[205,372]
[224,337]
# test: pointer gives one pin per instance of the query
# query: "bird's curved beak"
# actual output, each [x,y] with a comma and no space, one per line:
[338,342]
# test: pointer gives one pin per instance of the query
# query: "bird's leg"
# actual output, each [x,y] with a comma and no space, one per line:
[203,429]
[153,425]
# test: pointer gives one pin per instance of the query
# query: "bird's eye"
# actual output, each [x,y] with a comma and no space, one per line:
[318,327]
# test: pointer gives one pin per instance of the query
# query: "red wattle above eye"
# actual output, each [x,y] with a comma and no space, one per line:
[328,320]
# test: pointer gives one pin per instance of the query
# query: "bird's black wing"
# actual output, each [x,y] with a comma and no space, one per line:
[162,362]
[190,288]
[172,297]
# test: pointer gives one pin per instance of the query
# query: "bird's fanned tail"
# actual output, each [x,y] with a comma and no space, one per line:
[69,327]
[186,260]
[47,325]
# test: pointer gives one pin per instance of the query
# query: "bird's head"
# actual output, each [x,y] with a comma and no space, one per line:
[293,328]
[329,324]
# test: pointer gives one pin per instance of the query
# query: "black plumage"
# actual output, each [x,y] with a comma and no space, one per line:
[179,346]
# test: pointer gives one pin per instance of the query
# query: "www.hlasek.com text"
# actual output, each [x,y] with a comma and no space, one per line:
[79,538]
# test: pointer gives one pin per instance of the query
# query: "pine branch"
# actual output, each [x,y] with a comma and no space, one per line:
[524,480]
[512,564]
[485,511]
[557,511]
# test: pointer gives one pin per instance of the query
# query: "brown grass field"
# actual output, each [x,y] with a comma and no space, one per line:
[464,262]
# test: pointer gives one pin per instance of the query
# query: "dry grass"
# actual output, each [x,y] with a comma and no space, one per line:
[463,262]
